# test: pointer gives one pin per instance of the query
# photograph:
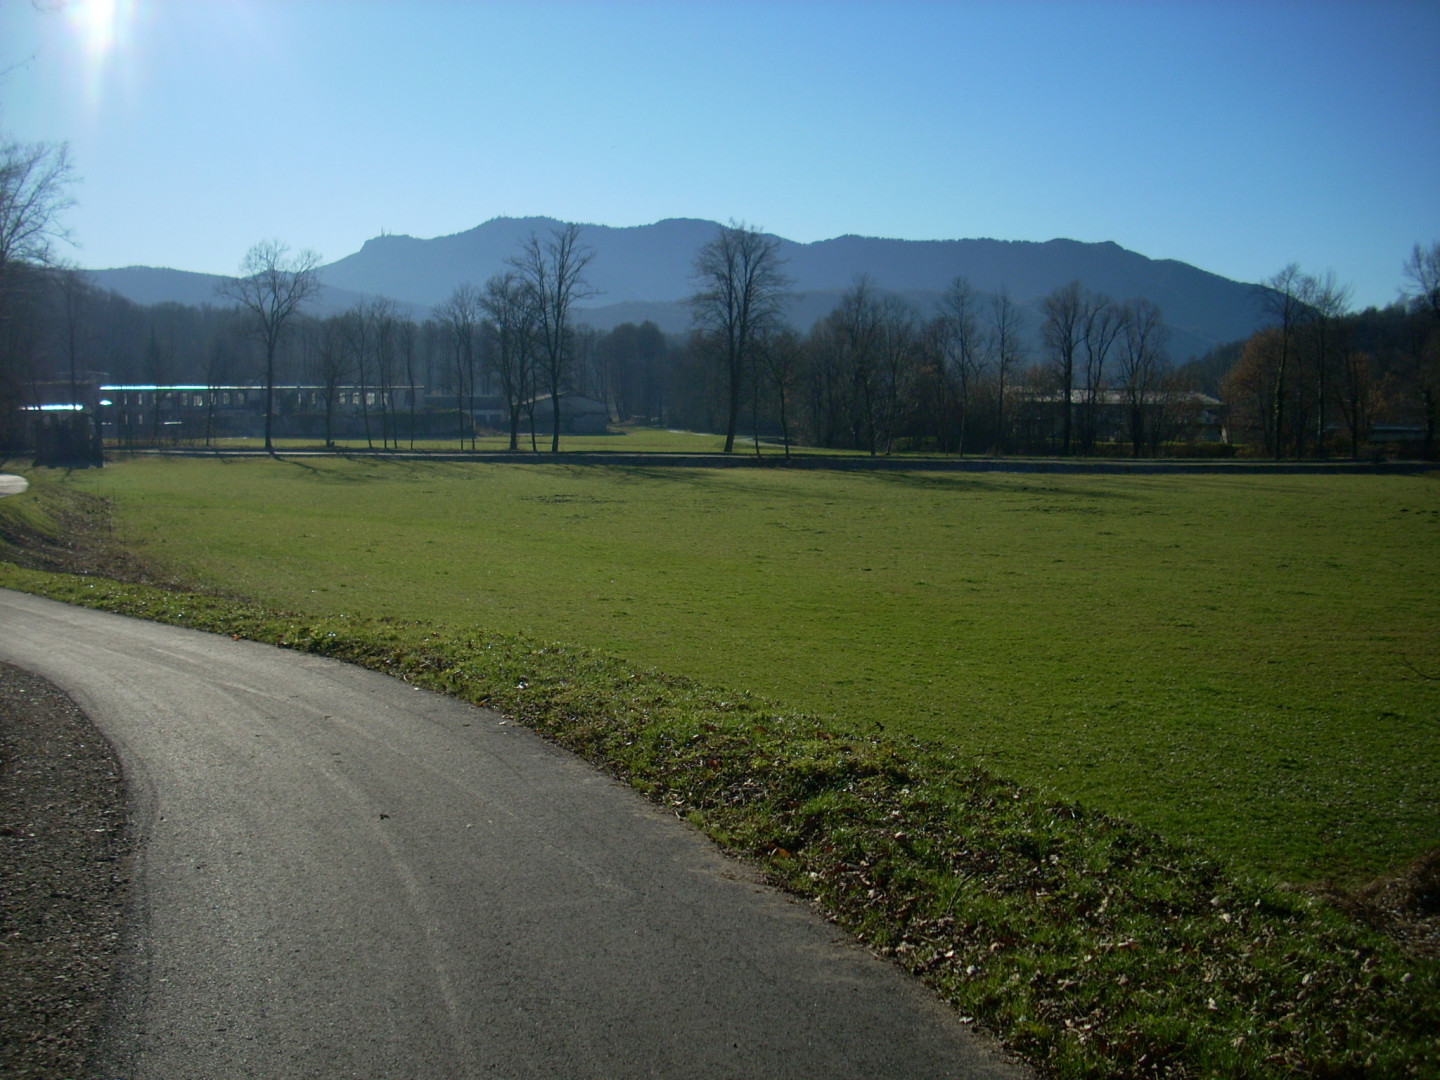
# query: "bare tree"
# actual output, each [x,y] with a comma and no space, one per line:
[899,357]
[35,181]
[1422,270]
[630,370]
[329,353]
[1284,296]
[359,341]
[1064,321]
[408,335]
[271,288]
[781,355]
[74,293]
[555,271]
[385,320]
[583,374]
[1143,365]
[930,393]
[217,365]
[460,316]
[826,386]
[1102,324]
[1360,391]
[1248,388]
[1005,352]
[512,313]
[857,331]
[964,345]
[614,373]
[1329,302]
[740,297]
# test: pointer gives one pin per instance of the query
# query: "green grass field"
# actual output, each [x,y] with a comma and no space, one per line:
[1246,661]
[621,440]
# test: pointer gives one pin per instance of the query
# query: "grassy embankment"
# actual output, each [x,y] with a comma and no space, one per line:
[1227,661]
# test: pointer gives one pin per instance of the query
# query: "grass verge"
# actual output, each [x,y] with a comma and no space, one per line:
[1090,946]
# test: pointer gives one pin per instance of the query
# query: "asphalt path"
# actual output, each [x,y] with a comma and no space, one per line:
[342,876]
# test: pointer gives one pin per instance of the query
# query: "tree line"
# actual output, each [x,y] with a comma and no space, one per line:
[1324,380]
[875,375]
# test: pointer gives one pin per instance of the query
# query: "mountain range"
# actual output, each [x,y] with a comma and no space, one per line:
[646,272]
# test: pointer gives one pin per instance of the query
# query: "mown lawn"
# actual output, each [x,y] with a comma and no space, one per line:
[1246,661]
[624,440]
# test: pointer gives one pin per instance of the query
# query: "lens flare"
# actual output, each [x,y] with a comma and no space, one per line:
[94,22]
[102,28]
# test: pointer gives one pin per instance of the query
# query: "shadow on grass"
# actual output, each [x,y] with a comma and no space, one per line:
[354,466]
[680,476]
[986,483]
[297,463]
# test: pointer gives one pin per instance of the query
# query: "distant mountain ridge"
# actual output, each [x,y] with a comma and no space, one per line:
[645,271]
[158,285]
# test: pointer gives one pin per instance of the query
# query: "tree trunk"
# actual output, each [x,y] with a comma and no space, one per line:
[734,419]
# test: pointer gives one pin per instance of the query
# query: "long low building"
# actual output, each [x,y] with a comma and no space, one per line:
[134,414]
[150,414]
[65,421]
[69,423]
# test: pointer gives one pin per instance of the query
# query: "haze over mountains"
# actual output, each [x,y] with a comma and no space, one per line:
[645,272]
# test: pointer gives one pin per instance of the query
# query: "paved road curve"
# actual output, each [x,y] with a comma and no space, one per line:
[346,877]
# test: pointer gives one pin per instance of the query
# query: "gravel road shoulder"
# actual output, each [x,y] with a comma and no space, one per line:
[65,863]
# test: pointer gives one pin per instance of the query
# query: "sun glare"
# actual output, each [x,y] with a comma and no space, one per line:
[102,28]
[95,22]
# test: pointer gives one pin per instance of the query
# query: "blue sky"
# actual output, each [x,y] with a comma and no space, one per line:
[1234,136]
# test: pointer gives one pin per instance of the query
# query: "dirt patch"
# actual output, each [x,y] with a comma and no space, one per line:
[71,532]
[65,862]
[1404,906]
